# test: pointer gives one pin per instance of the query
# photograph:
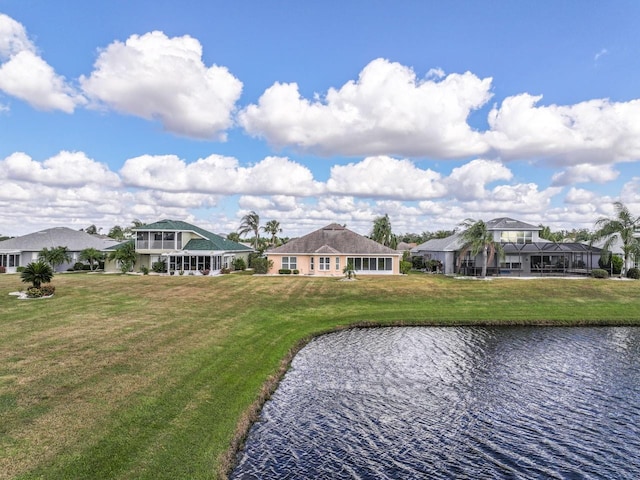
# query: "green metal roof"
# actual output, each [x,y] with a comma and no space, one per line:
[209,241]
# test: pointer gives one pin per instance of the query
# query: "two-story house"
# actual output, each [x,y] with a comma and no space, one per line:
[525,253]
[184,247]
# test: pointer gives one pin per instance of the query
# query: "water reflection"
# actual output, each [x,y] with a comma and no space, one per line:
[455,403]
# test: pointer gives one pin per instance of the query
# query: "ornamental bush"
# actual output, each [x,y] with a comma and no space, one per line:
[296,271]
[633,273]
[47,290]
[3,269]
[599,273]
[261,265]
[78,266]
[239,264]
[284,271]
[405,267]
[34,292]
[159,267]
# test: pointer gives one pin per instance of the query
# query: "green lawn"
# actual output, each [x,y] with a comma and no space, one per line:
[157,377]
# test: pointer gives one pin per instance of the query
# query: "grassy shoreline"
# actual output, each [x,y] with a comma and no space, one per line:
[160,377]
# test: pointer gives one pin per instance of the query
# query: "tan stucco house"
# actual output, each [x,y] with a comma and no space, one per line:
[327,251]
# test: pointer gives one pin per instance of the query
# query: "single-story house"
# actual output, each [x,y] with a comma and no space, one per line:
[20,251]
[525,253]
[183,247]
[328,250]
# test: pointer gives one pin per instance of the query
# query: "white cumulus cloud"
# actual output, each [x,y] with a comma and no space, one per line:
[25,75]
[387,177]
[156,77]
[585,173]
[217,174]
[469,181]
[66,169]
[386,111]
[596,131]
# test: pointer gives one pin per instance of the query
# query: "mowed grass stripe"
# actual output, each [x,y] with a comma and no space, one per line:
[149,377]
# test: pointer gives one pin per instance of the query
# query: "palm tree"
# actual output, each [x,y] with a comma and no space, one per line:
[348,270]
[37,273]
[382,233]
[251,223]
[620,228]
[273,228]
[125,255]
[477,239]
[91,255]
[55,256]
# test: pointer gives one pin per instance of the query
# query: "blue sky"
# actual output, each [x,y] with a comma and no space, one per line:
[315,112]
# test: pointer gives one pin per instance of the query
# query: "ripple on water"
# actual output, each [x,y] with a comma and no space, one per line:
[454,403]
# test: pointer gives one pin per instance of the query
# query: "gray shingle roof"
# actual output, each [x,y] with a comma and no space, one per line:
[209,240]
[506,223]
[74,240]
[447,244]
[333,239]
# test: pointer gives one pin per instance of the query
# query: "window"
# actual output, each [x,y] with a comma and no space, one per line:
[290,263]
[516,237]
[370,264]
[324,263]
[337,263]
[311,265]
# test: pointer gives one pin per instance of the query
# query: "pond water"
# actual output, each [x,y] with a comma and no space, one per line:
[476,403]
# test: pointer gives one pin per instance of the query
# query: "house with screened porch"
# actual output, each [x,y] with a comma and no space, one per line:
[325,252]
[185,248]
[525,253]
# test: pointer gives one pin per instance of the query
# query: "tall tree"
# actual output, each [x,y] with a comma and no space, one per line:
[382,233]
[477,239]
[233,236]
[37,273]
[92,230]
[272,227]
[91,255]
[251,223]
[620,228]
[55,256]
[125,256]
[117,233]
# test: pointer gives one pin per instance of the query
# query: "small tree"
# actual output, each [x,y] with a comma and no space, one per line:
[37,273]
[348,270]
[262,265]
[55,256]
[125,256]
[93,256]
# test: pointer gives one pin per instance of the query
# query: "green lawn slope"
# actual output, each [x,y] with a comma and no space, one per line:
[152,377]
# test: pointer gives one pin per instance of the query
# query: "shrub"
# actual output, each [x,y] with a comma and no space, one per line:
[34,292]
[296,271]
[225,270]
[47,290]
[284,271]
[633,273]
[261,265]
[599,273]
[78,266]
[606,262]
[20,269]
[205,272]
[144,270]
[159,267]
[239,264]
[3,269]
[417,262]
[405,267]
[86,267]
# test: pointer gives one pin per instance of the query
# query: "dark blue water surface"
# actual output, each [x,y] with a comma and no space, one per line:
[463,403]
